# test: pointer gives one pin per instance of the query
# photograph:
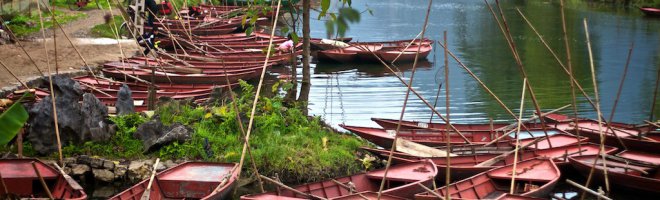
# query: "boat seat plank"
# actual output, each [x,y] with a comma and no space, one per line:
[405,174]
[198,173]
[527,171]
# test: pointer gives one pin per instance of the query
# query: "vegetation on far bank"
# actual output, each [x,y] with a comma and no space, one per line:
[283,140]
[24,24]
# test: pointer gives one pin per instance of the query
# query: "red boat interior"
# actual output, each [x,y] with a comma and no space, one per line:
[531,175]
[621,166]
[192,180]
[22,181]
[401,179]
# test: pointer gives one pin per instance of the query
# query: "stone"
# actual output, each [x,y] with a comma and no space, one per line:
[160,167]
[41,122]
[80,169]
[139,169]
[124,102]
[154,134]
[120,171]
[108,164]
[103,175]
[103,191]
[84,159]
[68,161]
[169,164]
[96,126]
[96,163]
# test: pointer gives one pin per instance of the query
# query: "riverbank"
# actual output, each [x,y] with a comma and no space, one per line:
[284,142]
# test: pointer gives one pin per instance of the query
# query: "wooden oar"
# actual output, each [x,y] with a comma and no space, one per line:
[431,191]
[41,179]
[290,188]
[147,192]
[420,150]
[225,178]
[586,189]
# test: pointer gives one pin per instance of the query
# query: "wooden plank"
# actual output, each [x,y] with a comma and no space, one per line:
[419,150]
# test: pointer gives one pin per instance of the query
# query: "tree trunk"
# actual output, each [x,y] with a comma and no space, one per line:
[306,83]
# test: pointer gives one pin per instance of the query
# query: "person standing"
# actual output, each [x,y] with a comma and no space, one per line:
[152,8]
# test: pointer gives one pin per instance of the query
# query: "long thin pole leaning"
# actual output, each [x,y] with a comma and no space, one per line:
[515,151]
[568,62]
[623,79]
[19,44]
[448,145]
[512,46]
[261,80]
[601,150]
[405,103]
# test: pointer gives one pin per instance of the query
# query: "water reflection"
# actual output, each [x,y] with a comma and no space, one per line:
[356,92]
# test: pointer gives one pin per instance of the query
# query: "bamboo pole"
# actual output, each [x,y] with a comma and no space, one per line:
[586,189]
[290,188]
[623,79]
[57,65]
[601,150]
[655,94]
[112,20]
[523,121]
[568,62]
[259,86]
[574,83]
[52,92]
[14,75]
[512,46]
[448,145]
[41,179]
[405,103]
[420,97]
[19,44]
[4,185]
[240,125]
[433,192]
[515,151]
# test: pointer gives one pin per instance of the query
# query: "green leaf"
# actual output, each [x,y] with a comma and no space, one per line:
[12,120]
[325,5]
[329,28]
[333,16]
[295,38]
[248,31]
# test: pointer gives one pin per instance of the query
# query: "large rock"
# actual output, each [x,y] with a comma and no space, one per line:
[154,134]
[103,175]
[96,126]
[77,123]
[120,171]
[124,101]
[67,93]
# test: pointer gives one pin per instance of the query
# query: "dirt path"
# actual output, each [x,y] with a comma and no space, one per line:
[94,51]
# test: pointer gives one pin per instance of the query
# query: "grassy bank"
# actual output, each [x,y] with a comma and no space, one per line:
[24,24]
[283,140]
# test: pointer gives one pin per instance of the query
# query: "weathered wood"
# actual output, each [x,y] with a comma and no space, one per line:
[430,191]
[496,159]
[420,150]
[41,179]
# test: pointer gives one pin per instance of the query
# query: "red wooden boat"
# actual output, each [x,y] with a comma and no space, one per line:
[337,55]
[402,182]
[463,166]
[106,83]
[130,66]
[406,124]
[22,181]
[559,118]
[640,156]
[189,180]
[367,195]
[214,31]
[653,12]
[534,178]
[405,55]
[384,137]
[623,172]
[161,77]
[365,52]
[650,142]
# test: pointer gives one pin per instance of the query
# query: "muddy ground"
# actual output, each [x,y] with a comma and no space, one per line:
[94,51]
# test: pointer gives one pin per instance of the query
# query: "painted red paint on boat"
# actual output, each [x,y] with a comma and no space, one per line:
[402,182]
[542,173]
[22,180]
[619,173]
[189,180]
